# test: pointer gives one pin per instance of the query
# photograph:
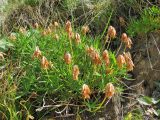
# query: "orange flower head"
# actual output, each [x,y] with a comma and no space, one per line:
[22,30]
[51,26]
[89,50]
[124,37]
[122,21]
[129,62]
[109,90]
[128,43]
[37,53]
[12,37]
[106,57]
[56,37]
[130,65]
[109,71]
[44,63]
[75,72]
[77,38]
[95,58]
[49,31]
[68,27]
[67,58]
[44,33]
[56,24]
[85,29]
[71,35]
[36,26]
[86,92]
[120,61]
[127,56]
[111,32]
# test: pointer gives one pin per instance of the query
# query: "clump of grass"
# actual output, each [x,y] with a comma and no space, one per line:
[149,20]
[67,67]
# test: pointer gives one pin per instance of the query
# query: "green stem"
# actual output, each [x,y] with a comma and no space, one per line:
[107,25]
[100,105]
[119,49]
[105,42]
[109,43]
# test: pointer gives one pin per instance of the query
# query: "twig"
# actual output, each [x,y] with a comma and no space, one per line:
[156,44]
[138,84]
[149,57]
[124,83]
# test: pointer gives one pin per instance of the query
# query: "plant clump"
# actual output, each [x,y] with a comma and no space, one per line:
[66,65]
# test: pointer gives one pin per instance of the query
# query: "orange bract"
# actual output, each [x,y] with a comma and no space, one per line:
[46,31]
[128,43]
[12,37]
[69,30]
[22,30]
[36,26]
[122,21]
[120,61]
[94,55]
[111,32]
[68,27]
[89,50]
[86,92]
[129,62]
[124,37]
[109,90]
[67,58]
[77,38]
[106,57]
[56,24]
[85,29]
[75,72]
[95,58]
[44,63]
[56,37]
[37,53]
[109,71]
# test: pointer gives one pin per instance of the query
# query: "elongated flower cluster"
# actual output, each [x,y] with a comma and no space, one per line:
[45,64]
[67,58]
[109,90]
[120,61]
[75,72]
[22,30]
[126,40]
[56,24]
[85,29]
[86,92]
[106,58]
[77,38]
[122,21]
[94,55]
[111,32]
[36,25]
[69,30]
[56,37]
[37,53]
[129,62]
[89,50]
[125,59]
[96,58]
[12,37]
